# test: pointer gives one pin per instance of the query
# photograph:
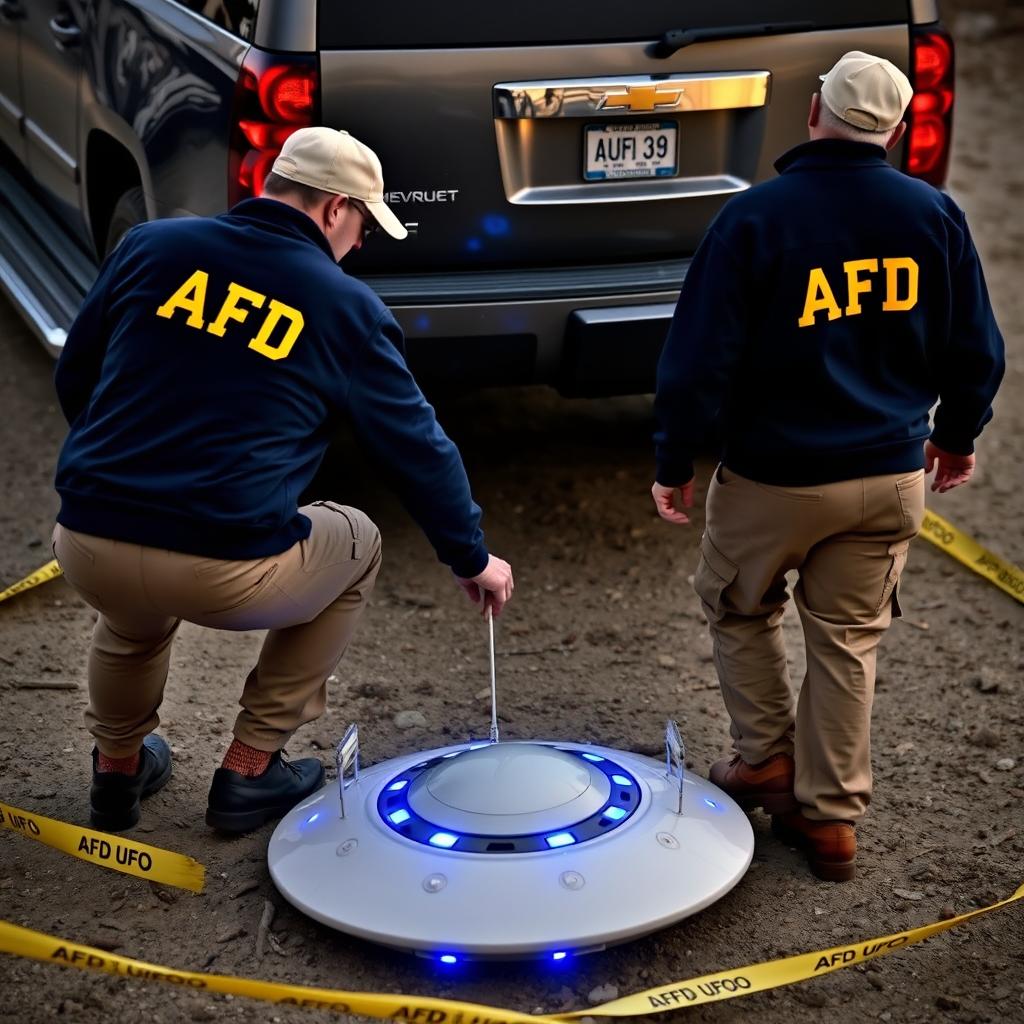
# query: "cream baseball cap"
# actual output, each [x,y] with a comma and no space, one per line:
[867,92]
[334,161]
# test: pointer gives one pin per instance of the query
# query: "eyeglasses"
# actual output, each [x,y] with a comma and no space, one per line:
[370,225]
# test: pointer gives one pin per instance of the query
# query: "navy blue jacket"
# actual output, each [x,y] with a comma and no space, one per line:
[823,315]
[205,374]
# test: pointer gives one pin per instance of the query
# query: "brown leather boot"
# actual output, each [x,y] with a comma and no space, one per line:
[831,846]
[768,784]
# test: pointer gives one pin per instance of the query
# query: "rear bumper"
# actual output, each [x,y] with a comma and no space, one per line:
[563,327]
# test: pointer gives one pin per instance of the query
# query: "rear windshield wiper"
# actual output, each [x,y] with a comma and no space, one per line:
[675,39]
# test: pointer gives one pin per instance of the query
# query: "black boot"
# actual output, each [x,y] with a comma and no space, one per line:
[114,796]
[240,803]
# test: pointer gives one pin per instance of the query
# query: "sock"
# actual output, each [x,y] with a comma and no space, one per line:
[123,765]
[246,760]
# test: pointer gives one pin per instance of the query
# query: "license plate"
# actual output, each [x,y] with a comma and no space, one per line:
[629,151]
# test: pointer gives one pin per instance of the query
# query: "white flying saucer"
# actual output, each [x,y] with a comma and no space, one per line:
[510,850]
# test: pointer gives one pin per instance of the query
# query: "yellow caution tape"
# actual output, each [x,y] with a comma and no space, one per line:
[109,851]
[708,988]
[50,571]
[943,534]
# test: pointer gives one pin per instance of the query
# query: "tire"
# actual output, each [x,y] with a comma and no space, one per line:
[129,211]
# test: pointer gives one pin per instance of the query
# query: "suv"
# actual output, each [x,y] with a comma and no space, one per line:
[555,169]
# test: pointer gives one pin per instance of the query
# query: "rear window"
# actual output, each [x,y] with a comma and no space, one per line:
[413,24]
[237,16]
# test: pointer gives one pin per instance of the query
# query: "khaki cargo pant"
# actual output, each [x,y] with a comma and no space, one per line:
[849,542]
[309,597]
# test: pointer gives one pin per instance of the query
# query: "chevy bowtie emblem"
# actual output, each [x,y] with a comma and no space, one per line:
[642,97]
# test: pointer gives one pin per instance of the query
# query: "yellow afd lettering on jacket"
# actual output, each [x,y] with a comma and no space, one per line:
[190,296]
[236,307]
[892,268]
[278,311]
[901,281]
[819,297]
[232,311]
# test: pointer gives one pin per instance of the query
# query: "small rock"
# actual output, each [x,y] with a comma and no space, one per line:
[906,894]
[231,933]
[70,1008]
[410,720]
[947,1003]
[321,742]
[986,681]
[484,694]
[985,737]
[416,600]
[1006,764]
[113,924]
[818,911]
[105,941]
[243,888]
[203,1013]
[666,661]
[371,690]
[44,794]
[602,994]
[162,894]
[947,912]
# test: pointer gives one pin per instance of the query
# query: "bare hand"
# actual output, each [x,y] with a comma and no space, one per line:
[663,501]
[493,587]
[953,470]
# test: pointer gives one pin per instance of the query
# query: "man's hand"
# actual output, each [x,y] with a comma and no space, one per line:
[493,587]
[663,501]
[953,470]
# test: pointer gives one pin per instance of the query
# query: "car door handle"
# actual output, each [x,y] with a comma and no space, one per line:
[65,31]
[10,10]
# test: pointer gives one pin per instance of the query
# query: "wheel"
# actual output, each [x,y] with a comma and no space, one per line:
[129,211]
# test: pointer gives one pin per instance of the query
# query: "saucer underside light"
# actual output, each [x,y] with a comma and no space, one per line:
[510,850]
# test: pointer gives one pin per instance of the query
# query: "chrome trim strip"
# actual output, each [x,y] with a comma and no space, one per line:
[630,95]
[52,336]
[626,314]
[11,110]
[51,148]
[630,191]
[286,25]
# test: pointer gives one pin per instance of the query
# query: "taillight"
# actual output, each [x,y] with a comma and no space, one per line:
[274,97]
[930,118]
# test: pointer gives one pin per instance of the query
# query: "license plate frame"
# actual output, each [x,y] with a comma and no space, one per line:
[626,154]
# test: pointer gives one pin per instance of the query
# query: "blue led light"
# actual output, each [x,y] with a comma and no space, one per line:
[592,757]
[560,839]
[399,816]
[621,780]
[312,818]
[615,813]
[448,959]
[560,955]
[710,803]
[443,839]
[396,786]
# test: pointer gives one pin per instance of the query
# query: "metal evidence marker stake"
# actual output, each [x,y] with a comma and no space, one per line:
[494,690]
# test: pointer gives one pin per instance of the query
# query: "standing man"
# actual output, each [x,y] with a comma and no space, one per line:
[206,373]
[822,317]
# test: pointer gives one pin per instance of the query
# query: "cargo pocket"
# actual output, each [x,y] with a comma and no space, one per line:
[891,585]
[910,493]
[353,517]
[714,574]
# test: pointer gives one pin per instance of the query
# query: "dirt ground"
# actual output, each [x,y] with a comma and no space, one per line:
[603,641]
